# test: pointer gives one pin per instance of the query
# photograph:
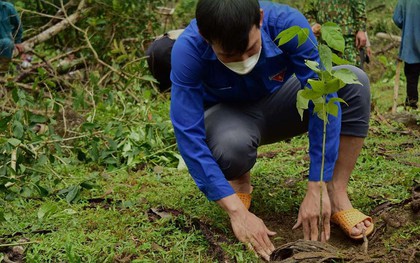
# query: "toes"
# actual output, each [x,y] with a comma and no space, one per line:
[367,223]
[358,229]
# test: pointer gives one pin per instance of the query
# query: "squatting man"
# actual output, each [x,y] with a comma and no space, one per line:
[234,89]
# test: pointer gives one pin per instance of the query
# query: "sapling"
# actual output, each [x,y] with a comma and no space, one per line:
[329,81]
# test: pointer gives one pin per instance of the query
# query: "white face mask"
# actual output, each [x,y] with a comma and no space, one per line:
[244,67]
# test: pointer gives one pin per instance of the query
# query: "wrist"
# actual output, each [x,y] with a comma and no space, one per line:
[232,205]
[314,185]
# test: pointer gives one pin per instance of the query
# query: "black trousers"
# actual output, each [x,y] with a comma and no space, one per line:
[234,132]
[412,73]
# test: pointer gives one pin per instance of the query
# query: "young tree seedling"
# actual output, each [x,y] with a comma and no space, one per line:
[322,90]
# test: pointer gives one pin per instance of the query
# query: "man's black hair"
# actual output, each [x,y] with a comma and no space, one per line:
[228,22]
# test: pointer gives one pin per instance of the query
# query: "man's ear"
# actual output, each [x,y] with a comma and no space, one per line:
[261,16]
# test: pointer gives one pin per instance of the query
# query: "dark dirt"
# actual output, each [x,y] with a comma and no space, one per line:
[382,245]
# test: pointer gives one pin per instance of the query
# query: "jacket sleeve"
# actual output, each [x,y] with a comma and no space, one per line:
[187,116]
[308,51]
[398,16]
[359,10]
[17,29]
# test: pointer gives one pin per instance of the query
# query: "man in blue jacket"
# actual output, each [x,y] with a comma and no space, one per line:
[406,17]
[10,33]
[234,89]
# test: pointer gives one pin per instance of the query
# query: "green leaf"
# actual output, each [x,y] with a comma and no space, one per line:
[17,129]
[334,85]
[121,58]
[317,85]
[88,126]
[303,36]
[15,95]
[37,118]
[50,83]
[42,190]
[25,192]
[347,76]
[383,59]
[333,100]
[331,34]
[88,185]
[332,109]
[319,109]
[46,210]
[325,54]
[73,193]
[14,142]
[288,34]
[301,103]
[4,122]
[149,78]
[2,218]
[338,60]
[313,65]
[310,94]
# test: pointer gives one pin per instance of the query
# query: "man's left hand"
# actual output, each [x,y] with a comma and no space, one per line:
[360,39]
[309,212]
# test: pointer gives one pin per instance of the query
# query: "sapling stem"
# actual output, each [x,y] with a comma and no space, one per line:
[324,137]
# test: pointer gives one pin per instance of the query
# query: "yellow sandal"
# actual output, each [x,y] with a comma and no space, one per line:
[347,219]
[245,198]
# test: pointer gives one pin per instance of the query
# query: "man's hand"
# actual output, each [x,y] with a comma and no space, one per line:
[247,227]
[20,47]
[316,29]
[309,212]
[360,39]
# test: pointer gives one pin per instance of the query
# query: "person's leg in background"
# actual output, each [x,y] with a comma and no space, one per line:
[6,52]
[412,73]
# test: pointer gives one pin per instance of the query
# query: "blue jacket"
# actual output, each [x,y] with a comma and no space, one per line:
[10,29]
[407,17]
[199,78]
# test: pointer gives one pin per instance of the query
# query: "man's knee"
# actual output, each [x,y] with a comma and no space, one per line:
[356,114]
[6,48]
[235,152]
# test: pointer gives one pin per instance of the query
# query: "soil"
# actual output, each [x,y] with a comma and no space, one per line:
[382,246]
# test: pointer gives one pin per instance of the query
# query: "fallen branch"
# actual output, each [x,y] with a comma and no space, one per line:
[388,36]
[57,28]
[387,48]
[376,7]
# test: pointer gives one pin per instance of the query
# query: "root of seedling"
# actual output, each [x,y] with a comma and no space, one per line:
[315,251]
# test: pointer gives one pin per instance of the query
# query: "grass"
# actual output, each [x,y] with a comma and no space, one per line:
[121,227]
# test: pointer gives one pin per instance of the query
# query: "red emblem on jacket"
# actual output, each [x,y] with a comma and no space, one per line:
[279,76]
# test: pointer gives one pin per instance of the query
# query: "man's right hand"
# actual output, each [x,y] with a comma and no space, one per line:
[247,227]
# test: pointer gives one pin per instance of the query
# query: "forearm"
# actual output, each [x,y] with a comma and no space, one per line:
[232,205]
[360,15]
